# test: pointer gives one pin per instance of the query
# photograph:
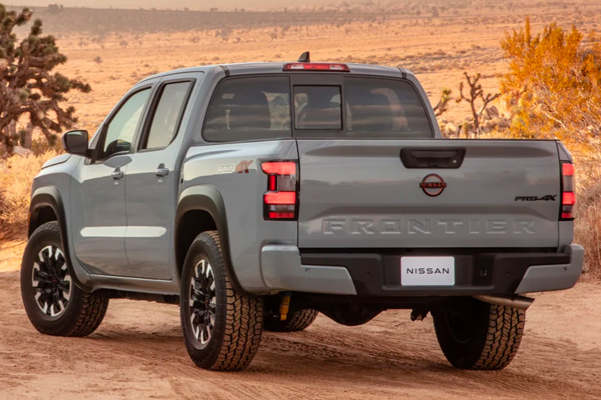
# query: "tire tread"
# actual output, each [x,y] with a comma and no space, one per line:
[505,332]
[243,322]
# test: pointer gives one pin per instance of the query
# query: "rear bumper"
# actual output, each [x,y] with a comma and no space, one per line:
[367,273]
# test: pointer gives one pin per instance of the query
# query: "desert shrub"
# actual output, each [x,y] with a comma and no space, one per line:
[587,228]
[16,176]
[554,85]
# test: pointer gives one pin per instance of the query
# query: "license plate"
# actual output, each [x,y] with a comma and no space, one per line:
[427,271]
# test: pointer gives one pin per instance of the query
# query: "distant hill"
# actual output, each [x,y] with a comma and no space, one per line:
[173,4]
[101,21]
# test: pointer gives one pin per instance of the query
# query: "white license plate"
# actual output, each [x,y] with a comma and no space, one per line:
[427,271]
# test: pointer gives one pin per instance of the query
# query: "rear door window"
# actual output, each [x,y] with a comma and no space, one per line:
[249,109]
[167,116]
[384,108]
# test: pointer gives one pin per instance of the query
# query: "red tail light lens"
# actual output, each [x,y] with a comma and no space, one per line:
[568,199]
[567,169]
[280,202]
[568,191]
[280,198]
[316,67]
[279,168]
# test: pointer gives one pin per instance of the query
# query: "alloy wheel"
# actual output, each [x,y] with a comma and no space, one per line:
[51,281]
[202,302]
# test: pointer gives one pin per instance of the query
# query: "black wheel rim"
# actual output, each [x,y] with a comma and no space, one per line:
[51,281]
[202,302]
[462,321]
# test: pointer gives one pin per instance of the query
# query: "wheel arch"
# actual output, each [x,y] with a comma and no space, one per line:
[201,209]
[47,206]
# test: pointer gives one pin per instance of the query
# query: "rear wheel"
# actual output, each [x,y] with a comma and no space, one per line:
[54,305]
[295,322]
[477,335]
[222,328]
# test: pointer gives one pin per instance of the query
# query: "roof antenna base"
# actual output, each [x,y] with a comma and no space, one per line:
[305,57]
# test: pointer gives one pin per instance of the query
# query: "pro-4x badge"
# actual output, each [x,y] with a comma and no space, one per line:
[549,197]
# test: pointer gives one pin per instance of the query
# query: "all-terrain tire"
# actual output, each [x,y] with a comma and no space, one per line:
[84,311]
[479,336]
[237,319]
[297,321]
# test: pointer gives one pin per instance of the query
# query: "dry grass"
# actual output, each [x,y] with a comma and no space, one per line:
[16,176]
[588,234]
[587,228]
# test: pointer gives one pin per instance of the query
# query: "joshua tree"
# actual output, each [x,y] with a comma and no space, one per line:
[28,87]
[476,93]
[443,103]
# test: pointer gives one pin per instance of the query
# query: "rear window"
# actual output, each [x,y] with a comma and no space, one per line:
[384,108]
[317,107]
[256,108]
[249,109]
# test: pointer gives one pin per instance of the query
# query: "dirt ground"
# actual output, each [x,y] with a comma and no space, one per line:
[138,353]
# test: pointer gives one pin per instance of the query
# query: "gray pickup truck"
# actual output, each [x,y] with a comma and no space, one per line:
[258,195]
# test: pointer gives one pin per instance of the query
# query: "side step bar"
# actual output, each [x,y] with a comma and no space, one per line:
[519,302]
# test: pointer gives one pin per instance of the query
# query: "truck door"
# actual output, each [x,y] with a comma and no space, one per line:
[151,180]
[98,191]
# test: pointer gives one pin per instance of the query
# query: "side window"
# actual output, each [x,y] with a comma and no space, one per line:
[167,116]
[317,107]
[249,109]
[122,128]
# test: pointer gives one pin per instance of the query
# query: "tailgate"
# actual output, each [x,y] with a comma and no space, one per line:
[361,194]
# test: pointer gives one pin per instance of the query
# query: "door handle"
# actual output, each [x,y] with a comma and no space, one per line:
[161,171]
[117,174]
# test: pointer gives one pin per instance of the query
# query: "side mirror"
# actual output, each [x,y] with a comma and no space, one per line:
[76,142]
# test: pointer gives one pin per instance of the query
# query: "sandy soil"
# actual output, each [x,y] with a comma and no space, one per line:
[138,353]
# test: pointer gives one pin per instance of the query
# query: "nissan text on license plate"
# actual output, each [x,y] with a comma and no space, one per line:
[427,271]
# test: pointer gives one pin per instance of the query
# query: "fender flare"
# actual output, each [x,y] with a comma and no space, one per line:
[208,198]
[51,197]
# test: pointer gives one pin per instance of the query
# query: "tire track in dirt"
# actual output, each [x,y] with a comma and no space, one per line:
[138,351]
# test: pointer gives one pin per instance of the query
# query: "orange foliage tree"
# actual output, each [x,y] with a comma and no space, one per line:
[554,84]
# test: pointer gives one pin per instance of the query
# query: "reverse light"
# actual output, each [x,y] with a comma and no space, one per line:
[568,191]
[316,67]
[280,202]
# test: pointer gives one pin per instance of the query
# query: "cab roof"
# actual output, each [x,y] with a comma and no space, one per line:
[249,68]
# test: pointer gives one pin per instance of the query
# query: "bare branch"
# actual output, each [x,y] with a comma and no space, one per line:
[476,93]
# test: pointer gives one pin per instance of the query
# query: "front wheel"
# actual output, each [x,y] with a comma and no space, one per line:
[477,335]
[54,305]
[222,328]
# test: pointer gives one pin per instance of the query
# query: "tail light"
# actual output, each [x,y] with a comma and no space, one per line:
[568,191]
[302,66]
[281,200]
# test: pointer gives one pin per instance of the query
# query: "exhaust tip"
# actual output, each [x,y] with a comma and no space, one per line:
[519,302]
